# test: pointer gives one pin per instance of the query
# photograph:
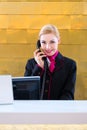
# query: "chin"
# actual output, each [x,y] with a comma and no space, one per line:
[50,54]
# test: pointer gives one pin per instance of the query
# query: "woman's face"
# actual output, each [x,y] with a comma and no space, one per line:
[49,43]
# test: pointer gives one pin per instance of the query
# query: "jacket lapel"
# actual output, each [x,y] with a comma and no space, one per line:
[59,62]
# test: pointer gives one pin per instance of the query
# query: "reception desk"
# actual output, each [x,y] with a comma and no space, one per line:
[44,112]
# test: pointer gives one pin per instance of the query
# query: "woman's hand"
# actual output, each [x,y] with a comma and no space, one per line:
[38,55]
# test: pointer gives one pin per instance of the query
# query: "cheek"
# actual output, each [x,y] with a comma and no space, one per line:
[42,46]
[55,46]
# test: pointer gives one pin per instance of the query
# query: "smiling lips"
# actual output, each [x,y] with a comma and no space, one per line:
[48,52]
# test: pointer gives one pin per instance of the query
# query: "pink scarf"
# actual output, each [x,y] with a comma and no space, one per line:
[52,61]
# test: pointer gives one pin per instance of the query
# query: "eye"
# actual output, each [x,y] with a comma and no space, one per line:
[52,41]
[43,42]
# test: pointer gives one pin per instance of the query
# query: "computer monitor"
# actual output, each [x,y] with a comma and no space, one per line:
[26,88]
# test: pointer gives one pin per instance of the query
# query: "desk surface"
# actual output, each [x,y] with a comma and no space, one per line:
[44,112]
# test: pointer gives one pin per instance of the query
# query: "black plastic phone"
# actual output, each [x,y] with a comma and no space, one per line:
[38,44]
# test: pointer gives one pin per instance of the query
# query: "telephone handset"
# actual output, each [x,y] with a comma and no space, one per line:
[38,46]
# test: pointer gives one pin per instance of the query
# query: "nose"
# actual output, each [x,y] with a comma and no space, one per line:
[47,46]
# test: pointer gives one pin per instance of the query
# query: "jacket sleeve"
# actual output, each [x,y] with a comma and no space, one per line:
[69,87]
[32,69]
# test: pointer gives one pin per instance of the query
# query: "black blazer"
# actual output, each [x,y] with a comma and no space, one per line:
[60,85]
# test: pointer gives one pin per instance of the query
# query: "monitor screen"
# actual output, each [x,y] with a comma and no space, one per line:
[26,88]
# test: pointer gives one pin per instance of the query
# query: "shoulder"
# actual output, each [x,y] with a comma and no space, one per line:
[70,64]
[31,61]
[67,60]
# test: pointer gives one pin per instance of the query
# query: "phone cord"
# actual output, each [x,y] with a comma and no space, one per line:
[44,79]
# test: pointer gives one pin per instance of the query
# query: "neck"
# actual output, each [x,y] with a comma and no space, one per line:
[54,55]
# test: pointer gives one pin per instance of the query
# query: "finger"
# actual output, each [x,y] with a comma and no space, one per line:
[41,56]
[35,52]
[40,53]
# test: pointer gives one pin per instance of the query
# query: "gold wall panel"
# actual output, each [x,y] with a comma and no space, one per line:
[37,21]
[17,36]
[13,66]
[3,36]
[43,8]
[16,51]
[3,21]
[42,1]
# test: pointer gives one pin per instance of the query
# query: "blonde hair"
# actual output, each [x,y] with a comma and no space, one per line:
[49,28]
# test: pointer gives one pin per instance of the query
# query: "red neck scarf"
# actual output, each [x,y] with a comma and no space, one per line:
[52,61]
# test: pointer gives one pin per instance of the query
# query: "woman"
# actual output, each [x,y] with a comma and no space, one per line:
[60,75]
